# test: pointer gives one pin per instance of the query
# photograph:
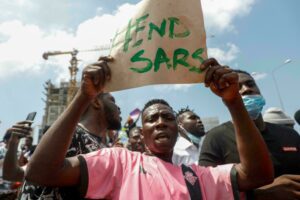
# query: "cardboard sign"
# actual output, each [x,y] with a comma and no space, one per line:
[164,42]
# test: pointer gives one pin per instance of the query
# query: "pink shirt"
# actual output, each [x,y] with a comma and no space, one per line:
[117,173]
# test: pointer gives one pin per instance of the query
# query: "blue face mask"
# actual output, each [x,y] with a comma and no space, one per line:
[194,139]
[254,105]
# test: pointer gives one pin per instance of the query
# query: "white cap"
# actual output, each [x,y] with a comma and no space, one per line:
[277,116]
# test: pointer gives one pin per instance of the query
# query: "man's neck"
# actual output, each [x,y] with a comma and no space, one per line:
[93,127]
[165,157]
[260,124]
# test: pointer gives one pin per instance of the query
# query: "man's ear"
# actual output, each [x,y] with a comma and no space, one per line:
[179,124]
[97,104]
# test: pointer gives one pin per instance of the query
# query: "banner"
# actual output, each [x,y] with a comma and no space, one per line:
[164,42]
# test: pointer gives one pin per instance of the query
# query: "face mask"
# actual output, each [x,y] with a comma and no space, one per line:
[194,139]
[254,105]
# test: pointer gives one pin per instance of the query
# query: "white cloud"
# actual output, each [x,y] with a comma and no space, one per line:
[22,50]
[224,56]
[259,75]
[219,14]
[22,45]
[176,87]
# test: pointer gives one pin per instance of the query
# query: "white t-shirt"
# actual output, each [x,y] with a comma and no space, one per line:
[185,152]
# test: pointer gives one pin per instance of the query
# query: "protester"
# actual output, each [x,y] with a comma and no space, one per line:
[7,190]
[220,145]
[136,142]
[12,169]
[191,131]
[26,150]
[111,137]
[116,173]
[277,116]
[98,115]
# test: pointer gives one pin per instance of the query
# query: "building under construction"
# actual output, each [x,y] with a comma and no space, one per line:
[57,99]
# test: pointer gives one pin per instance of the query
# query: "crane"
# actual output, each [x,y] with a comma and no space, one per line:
[73,66]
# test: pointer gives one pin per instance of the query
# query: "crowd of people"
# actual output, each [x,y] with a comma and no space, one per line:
[171,156]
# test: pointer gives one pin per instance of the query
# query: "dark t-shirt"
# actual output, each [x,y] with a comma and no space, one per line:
[83,142]
[219,147]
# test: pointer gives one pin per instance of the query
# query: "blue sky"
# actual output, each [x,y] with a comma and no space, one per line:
[254,35]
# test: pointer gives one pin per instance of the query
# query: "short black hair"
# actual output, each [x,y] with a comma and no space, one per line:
[6,136]
[242,72]
[132,129]
[183,110]
[155,101]
[30,138]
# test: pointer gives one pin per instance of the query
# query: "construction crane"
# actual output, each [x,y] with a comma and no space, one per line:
[73,66]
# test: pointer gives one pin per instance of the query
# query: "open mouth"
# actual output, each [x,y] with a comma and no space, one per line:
[162,136]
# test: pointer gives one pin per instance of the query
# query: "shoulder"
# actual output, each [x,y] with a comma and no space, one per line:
[282,131]
[222,130]
[217,173]
[114,153]
[182,143]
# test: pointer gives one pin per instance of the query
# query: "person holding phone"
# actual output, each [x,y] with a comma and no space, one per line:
[13,171]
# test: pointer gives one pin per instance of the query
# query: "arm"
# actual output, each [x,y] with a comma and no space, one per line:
[255,168]
[11,168]
[48,165]
[284,187]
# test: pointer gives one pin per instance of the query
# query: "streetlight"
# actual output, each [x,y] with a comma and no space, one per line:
[287,61]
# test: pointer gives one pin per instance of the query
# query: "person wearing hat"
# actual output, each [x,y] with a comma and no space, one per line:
[277,116]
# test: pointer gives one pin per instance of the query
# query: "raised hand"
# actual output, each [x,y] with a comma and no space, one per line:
[95,76]
[222,80]
[284,187]
[20,129]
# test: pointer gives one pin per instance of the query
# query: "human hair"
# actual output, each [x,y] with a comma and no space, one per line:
[6,136]
[155,101]
[183,110]
[242,72]
[132,129]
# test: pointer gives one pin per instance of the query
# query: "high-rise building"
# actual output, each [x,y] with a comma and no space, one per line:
[210,122]
[56,101]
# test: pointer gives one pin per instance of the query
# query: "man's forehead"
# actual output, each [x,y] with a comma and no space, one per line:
[135,132]
[157,108]
[244,77]
[109,96]
[188,114]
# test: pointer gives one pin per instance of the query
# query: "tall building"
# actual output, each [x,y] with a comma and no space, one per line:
[210,122]
[57,99]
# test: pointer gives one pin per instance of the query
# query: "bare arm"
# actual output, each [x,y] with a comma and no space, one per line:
[255,168]
[11,168]
[48,165]
[284,187]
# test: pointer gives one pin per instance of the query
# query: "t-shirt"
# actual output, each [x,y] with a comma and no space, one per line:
[118,173]
[219,147]
[185,152]
[82,142]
